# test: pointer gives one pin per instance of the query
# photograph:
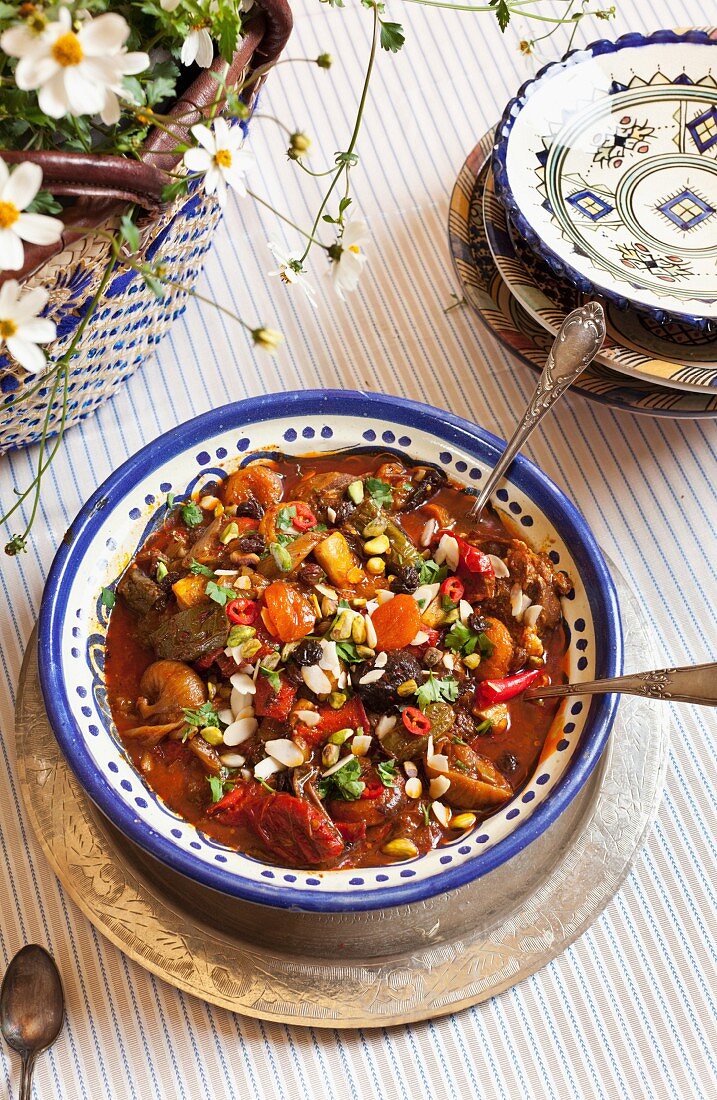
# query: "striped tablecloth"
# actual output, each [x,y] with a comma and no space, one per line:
[629,1011]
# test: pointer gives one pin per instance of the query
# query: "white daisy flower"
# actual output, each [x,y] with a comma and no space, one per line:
[16,193]
[169,5]
[20,327]
[219,158]
[347,258]
[76,72]
[290,270]
[198,46]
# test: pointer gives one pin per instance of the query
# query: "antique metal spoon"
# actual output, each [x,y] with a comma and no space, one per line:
[32,1008]
[692,684]
[576,345]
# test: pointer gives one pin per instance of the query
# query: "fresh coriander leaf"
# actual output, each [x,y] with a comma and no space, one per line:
[431,572]
[108,598]
[457,637]
[437,691]
[387,772]
[347,652]
[216,786]
[202,570]
[380,491]
[198,718]
[272,676]
[392,36]
[219,593]
[285,517]
[192,514]
[484,727]
[344,783]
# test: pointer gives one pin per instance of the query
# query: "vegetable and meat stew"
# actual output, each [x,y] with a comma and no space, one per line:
[322,662]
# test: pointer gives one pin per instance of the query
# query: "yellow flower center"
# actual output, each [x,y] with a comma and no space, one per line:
[7,329]
[67,50]
[223,158]
[9,214]
[354,248]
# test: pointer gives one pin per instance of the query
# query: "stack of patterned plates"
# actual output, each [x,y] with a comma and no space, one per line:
[578,212]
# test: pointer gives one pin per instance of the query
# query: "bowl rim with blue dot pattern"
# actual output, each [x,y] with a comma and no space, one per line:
[114,523]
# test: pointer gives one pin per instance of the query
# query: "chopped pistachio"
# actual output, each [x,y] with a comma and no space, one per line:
[231,531]
[355,491]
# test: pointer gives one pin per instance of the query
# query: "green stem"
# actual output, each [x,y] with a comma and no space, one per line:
[513,8]
[283,217]
[354,135]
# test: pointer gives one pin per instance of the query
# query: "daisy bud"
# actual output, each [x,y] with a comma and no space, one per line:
[324,60]
[526,47]
[298,145]
[267,338]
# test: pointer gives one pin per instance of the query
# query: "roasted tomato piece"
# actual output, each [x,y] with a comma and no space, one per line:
[273,704]
[350,716]
[291,829]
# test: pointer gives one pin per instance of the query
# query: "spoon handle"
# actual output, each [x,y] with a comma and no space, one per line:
[577,343]
[28,1066]
[692,684]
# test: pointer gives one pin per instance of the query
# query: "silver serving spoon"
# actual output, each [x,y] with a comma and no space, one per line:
[692,684]
[576,345]
[32,1008]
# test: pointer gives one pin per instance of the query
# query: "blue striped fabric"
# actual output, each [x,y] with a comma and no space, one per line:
[629,1011]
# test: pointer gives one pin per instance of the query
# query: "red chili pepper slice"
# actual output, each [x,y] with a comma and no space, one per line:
[453,589]
[471,558]
[304,519]
[372,790]
[500,691]
[415,721]
[242,612]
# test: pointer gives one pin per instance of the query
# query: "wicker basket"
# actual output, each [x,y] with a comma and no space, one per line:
[130,319]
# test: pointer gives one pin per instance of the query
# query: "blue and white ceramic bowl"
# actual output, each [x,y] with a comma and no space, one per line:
[606,163]
[114,522]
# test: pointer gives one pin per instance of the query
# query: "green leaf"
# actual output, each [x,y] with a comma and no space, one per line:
[392,36]
[44,203]
[192,514]
[108,598]
[484,727]
[198,718]
[502,12]
[347,652]
[170,501]
[387,772]
[284,518]
[379,491]
[344,783]
[437,691]
[216,786]
[432,573]
[272,676]
[129,233]
[426,811]
[201,570]
[221,594]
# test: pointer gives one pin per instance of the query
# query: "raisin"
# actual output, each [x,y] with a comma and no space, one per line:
[383,694]
[307,652]
[507,763]
[311,573]
[252,544]
[478,623]
[406,579]
[344,510]
[250,508]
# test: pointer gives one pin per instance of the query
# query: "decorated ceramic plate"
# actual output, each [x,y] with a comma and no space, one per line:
[607,165]
[115,521]
[506,319]
[672,352]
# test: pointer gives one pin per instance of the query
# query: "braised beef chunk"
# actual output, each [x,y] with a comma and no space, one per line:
[139,591]
[537,577]
[308,670]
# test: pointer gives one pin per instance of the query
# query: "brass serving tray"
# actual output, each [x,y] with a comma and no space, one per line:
[332,970]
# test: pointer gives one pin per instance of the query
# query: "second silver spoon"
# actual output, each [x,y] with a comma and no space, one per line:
[576,345]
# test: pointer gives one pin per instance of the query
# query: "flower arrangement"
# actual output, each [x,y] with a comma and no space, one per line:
[94,78]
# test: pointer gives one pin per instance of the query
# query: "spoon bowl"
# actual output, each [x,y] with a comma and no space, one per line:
[32,1007]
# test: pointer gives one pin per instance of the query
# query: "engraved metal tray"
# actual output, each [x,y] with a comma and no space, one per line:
[354,970]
